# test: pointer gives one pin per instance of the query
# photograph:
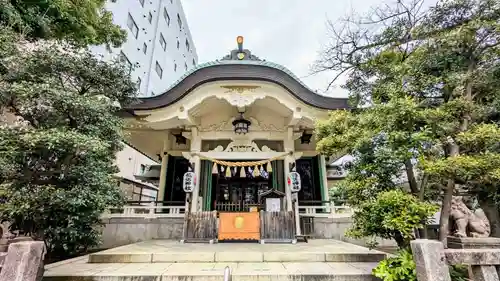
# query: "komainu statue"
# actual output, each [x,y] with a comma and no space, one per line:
[466,222]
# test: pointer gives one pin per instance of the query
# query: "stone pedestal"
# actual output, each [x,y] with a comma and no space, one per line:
[473,243]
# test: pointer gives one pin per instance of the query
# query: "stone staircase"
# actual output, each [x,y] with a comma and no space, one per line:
[162,260]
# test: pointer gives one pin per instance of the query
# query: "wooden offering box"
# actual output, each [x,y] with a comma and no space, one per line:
[239,226]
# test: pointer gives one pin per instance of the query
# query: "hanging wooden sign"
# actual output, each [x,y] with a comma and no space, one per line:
[189,182]
[294,181]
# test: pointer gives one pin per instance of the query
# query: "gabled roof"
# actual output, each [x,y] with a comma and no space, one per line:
[272,191]
[240,64]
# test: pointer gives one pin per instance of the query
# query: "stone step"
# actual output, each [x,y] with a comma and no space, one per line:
[214,257]
[338,271]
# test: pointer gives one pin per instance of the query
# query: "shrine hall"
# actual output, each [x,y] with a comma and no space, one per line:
[243,128]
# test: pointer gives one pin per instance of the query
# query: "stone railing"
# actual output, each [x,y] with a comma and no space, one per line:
[325,211]
[147,209]
[433,261]
[131,211]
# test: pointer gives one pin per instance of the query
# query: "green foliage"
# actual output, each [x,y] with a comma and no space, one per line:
[391,215]
[84,22]
[338,194]
[459,272]
[401,267]
[398,268]
[57,162]
[425,100]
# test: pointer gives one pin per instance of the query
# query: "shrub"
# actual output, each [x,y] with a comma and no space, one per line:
[398,268]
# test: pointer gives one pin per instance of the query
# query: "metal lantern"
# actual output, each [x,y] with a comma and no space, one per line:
[179,138]
[306,137]
[241,125]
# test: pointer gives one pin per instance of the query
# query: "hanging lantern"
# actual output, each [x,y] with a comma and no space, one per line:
[228,172]
[241,125]
[243,173]
[269,167]
[214,169]
[306,137]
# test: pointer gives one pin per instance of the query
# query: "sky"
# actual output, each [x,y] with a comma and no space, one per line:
[287,32]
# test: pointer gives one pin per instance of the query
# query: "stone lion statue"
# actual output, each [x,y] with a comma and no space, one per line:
[466,222]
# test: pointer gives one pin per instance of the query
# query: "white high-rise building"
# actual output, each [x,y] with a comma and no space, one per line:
[159,47]
[159,50]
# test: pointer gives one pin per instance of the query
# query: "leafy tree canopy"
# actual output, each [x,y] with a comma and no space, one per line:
[84,22]
[425,92]
[57,160]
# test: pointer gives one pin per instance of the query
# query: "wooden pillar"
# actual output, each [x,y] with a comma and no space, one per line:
[296,214]
[196,163]
[163,179]
[325,196]
[289,146]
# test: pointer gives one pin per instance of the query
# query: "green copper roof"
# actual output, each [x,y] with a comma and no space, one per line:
[240,62]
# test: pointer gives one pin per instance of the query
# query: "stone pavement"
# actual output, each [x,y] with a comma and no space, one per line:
[172,251]
[156,260]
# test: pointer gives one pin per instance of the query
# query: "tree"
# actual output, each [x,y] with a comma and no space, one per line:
[82,23]
[384,141]
[427,78]
[57,162]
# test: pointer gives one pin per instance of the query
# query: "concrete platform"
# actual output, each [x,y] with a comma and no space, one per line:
[158,251]
[161,260]
[81,271]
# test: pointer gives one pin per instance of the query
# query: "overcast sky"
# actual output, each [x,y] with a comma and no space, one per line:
[288,32]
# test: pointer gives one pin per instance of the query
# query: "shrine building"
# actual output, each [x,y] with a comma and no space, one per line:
[241,124]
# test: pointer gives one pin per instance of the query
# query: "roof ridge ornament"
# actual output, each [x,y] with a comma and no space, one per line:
[240,53]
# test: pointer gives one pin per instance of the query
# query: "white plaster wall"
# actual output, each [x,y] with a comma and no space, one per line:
[129,162]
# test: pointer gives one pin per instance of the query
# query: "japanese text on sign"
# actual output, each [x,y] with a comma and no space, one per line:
[189,182]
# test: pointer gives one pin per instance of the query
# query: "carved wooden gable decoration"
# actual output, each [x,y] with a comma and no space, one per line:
[242,146]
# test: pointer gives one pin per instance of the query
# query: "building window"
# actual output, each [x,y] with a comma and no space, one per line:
[163,43]
[194,63]
[175,67]
[187,45]
[185,66]
[166,16]
[150,17]
[139,81]
[132,26]
[178,44]
[123,58]
[179,21]
[142,2]
[152,93]
[144,48]
[142,169]
[159,70]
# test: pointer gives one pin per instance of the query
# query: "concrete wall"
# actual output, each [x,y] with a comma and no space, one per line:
[122,231]
[335,228]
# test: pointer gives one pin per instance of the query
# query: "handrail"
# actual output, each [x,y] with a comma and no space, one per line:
[155,202]
[227,274]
